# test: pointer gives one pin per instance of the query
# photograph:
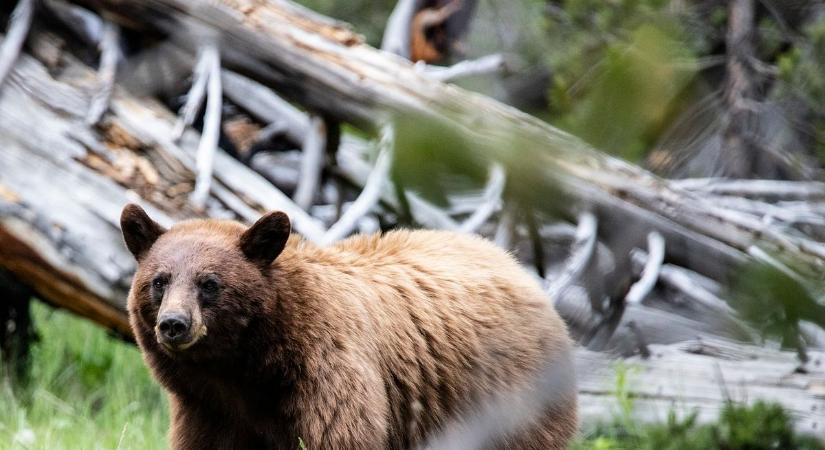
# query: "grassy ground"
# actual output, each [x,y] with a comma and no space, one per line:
[87,390]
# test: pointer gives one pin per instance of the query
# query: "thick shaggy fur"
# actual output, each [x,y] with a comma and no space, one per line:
[376,342]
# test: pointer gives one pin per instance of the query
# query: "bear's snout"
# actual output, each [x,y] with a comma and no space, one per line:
[174,328]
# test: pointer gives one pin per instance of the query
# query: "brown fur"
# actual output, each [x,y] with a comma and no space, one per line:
[375,342]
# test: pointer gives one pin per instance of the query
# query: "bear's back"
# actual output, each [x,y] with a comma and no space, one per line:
[456,321]
[441,251]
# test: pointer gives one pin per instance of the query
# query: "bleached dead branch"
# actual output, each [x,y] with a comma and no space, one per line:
[650,273]
[265,105]
[194,98]
[698,288]
[370,194]
[109,56]
[580,254]
[506,229]
[396,38]
[312,162]
[19,24]
[211,128]
[354,168]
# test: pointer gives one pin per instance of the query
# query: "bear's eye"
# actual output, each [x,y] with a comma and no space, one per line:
[159,283]
[159,286]
[209,286]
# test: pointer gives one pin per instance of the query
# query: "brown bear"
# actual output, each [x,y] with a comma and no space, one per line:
[377,342]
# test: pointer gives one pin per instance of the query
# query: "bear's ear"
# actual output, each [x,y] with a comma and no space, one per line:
[139,231]
[266,239]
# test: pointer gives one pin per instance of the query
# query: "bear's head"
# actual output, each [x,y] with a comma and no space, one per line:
[200,283]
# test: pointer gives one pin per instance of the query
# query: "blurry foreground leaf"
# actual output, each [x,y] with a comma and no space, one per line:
[629,99]
[434,159]
[773,303]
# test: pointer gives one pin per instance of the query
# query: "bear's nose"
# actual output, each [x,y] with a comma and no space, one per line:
[173,327]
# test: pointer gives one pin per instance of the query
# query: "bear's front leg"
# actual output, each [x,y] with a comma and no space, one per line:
[342,405]
[196,428]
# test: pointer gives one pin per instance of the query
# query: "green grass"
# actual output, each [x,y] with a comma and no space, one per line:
[85,390]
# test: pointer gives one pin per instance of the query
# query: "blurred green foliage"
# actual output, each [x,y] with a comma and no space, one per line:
[630,95]
[621,88]
[773,302]
[433,158]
